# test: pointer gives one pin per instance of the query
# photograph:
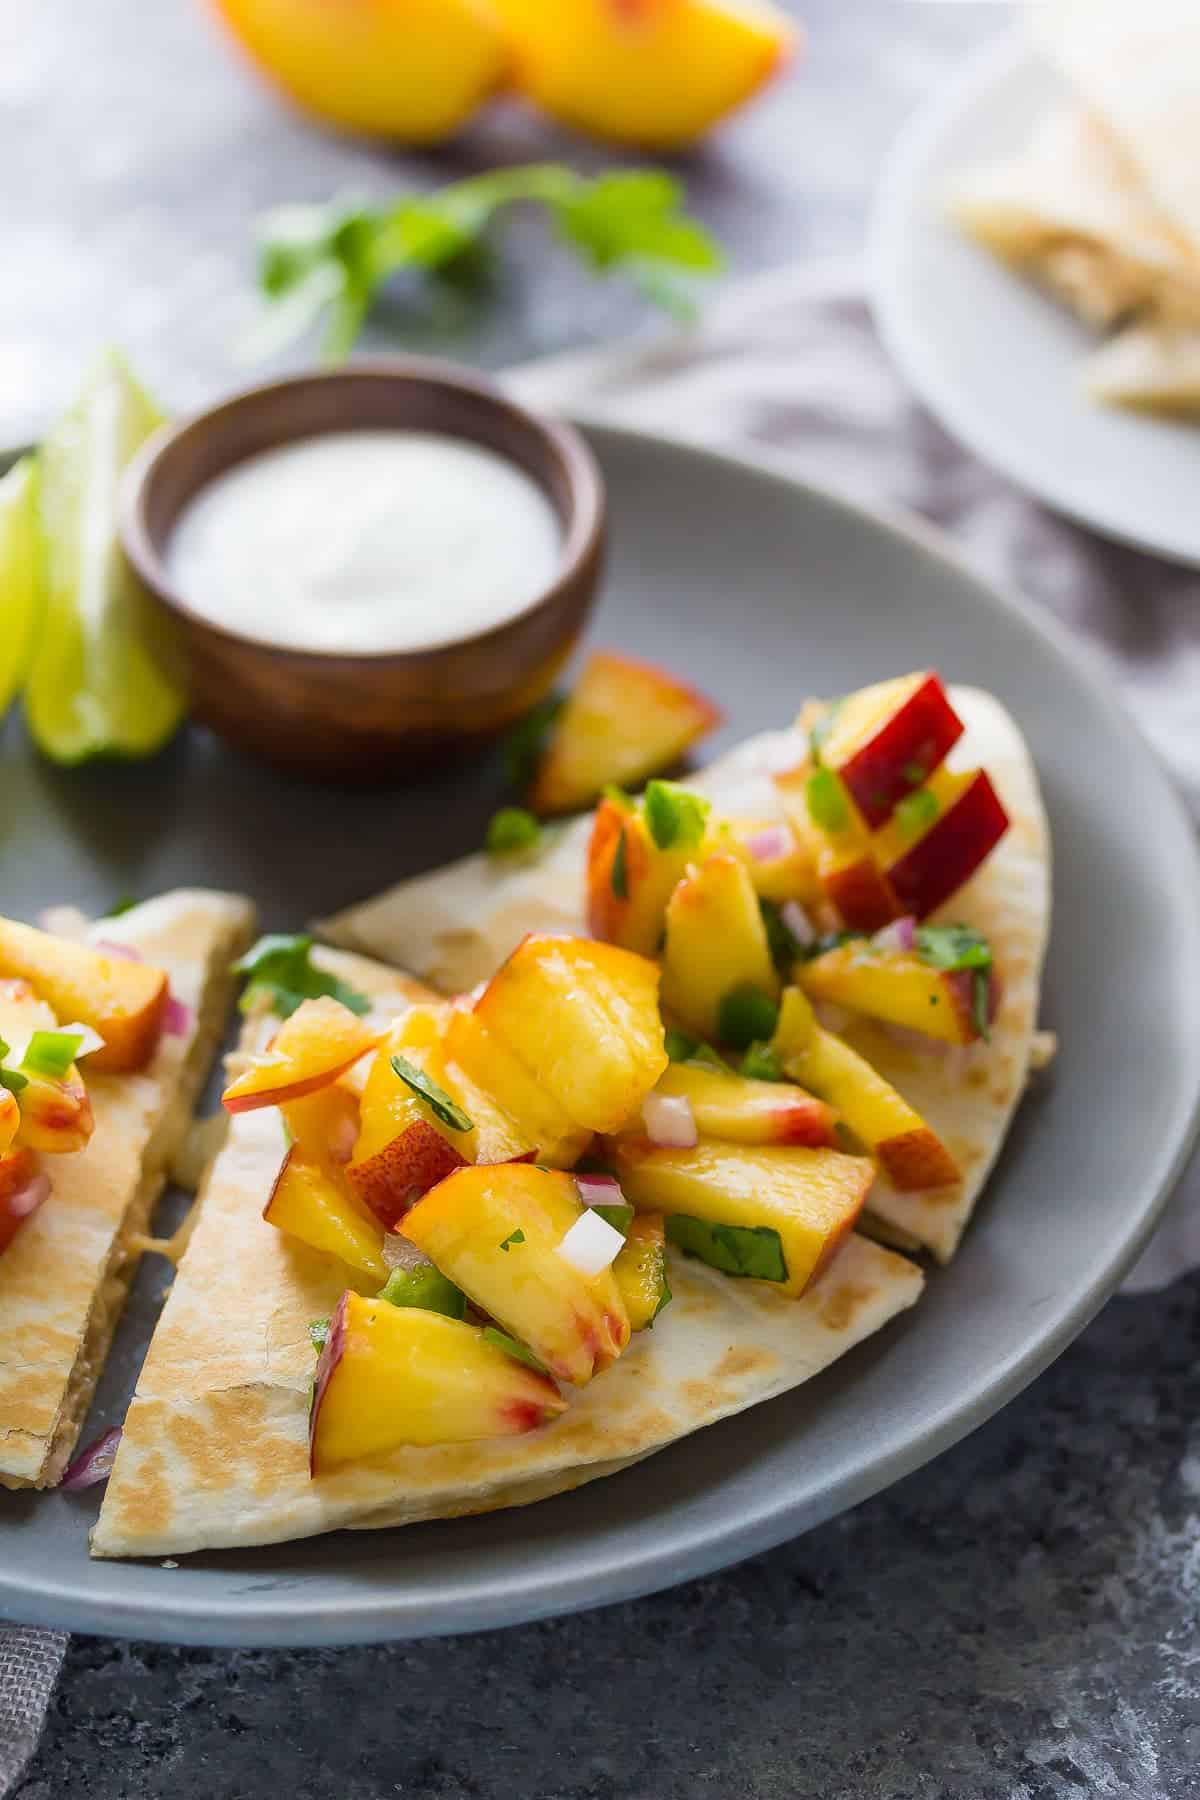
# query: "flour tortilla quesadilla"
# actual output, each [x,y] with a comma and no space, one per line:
[455,926]
[64,1278]
[215,1447]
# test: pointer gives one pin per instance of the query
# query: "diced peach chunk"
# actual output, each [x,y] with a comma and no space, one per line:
[583,1019]
[894,985]
[716,943]
[487,1060]
[641,1270]
[391,1376]
[495,1230]
[320,1041]
[54,1112]
[307,1203]
[811,1198]
[741,1111]
[625,720]
[123,1001]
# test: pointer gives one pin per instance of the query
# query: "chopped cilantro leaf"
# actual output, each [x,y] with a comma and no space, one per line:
[916,812]
[125,904]
[51,1053]
[511,1347]
[682,1048]
[282,967]
[513,828]
[318,1331]
[674,818]
[761,1063]
[827,804]
[818,735]
[525,742]
[619,876]
[783,946]
[745,1014]
[436,1099]
[427,1288]
[953,947]
[514,1237]
[751,1250]
[619,1217]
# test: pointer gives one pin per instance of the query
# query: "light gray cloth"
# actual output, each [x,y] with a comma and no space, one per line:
[29,1667]
[790,365]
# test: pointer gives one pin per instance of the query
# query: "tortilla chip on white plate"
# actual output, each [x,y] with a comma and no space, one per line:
[64,1278]
[456,925]
[1137,67]
[1072,211]
[215,1446]
[1152,367]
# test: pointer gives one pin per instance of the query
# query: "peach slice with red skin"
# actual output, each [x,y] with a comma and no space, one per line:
[624,720]
[738,1110]
[17,1170]
[948,854]
[391,1376]
[716,943]
[627,898]
[321,1040]
[495,1231]
[308,1203]
[124,1002]
[898,987]
[885,741]
[324,1125]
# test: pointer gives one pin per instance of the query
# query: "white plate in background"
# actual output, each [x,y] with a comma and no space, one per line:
[998,361]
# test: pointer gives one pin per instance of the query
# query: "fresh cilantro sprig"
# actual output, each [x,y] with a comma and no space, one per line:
[282,968]
[956,948]
[326,264]
[436,1099]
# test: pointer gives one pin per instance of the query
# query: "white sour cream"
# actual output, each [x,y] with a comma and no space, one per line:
[366,541]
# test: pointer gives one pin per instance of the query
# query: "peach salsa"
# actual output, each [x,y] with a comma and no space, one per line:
[744,1047]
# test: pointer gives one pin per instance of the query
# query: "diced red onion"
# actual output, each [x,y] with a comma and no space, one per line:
[591,1244]
[901,934]
[178,1018]
[669,1121]
[26,1200]
[122,952]
[770,844]
[94,1463]
[92,1041]
[798,923]
[599,1190]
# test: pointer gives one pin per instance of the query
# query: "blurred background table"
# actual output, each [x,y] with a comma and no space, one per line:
[1018,1622]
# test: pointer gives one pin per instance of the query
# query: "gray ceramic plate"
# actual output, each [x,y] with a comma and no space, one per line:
[996,359]
[763,590]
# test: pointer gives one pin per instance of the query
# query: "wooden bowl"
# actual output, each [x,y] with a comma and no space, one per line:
[355,715]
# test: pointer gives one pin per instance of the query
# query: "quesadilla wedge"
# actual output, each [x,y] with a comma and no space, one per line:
[65,1272]
[217,1445]
[455,925]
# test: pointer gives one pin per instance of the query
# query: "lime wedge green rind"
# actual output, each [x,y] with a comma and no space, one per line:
[94,688]
[20,575]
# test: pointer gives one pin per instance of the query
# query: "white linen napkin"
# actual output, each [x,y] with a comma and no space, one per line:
[790,363]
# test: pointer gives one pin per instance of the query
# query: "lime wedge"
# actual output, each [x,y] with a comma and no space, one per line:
[20,574]
[94,689]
